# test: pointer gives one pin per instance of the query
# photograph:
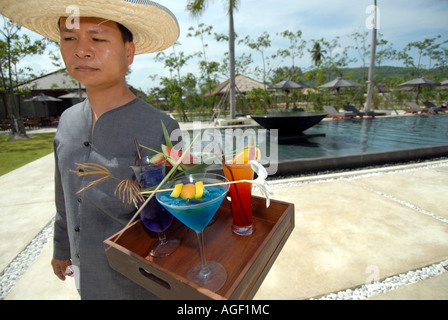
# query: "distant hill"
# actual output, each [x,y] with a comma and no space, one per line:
[358,74]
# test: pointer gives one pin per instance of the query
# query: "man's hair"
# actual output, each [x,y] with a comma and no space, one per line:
[125,33]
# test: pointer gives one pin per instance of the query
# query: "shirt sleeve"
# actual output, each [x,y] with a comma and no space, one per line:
[61,243]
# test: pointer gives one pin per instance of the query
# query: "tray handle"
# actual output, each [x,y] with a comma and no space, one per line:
[154,278]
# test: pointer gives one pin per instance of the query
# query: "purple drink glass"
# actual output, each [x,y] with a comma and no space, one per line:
[154,216]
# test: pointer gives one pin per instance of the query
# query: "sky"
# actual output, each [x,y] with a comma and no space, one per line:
[401,22]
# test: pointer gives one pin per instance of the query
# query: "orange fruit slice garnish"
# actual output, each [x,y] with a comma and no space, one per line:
[177,190]
[199,189]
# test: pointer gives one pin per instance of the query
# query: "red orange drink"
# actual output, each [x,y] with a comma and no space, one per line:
[241,196]
[241,193]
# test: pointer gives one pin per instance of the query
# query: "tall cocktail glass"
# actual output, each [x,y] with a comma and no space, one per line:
[241,196]
[196,214]
[154,216]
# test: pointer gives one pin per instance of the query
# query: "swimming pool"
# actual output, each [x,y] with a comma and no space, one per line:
[355,136]
[346,144]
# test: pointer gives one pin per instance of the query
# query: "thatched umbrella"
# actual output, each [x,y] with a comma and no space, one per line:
[41,97]
[287,85]
[243,85]
[339,83]
[418,83]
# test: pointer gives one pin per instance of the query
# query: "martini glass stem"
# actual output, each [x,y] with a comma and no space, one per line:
[162,237]
[205,271]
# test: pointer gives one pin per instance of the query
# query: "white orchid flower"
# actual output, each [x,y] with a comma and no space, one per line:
[261,182]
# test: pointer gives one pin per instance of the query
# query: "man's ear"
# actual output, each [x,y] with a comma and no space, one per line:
[130,52]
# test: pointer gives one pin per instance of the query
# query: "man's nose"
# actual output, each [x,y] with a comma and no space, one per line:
[83,50]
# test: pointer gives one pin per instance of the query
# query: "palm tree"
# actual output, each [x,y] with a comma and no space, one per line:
[317,54]
[197,8]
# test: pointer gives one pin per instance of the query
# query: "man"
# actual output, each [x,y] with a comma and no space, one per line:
[98,44]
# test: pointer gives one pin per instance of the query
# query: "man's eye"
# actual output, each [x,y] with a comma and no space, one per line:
[99,40]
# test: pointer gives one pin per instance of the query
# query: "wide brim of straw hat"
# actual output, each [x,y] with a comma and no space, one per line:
[153,26]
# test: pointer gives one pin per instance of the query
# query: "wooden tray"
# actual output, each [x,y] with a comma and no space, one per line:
[247,259]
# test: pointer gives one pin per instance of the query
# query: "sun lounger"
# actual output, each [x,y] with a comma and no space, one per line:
[432,106]
[333,113]
[415,108]
[361,114]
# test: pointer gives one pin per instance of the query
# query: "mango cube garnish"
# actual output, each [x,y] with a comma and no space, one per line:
[188,191]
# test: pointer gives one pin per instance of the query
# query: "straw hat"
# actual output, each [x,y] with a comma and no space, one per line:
[153,26]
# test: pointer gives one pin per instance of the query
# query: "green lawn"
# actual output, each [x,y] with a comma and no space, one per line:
[16,153]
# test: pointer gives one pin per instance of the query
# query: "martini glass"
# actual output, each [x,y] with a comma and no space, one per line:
[196,214]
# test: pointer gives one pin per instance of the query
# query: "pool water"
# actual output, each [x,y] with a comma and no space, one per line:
[354,136]
[341,137]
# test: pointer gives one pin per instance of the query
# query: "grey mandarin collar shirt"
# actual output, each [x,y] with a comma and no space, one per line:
[84,221]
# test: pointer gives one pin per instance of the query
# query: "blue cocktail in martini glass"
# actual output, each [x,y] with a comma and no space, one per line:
[196,214]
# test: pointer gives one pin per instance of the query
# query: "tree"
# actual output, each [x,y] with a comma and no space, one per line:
[13,48]
[242,64]
[329,56]
[441,60]
[208,69]
[296,45]
[175,62]
[197,8]
[260,44]
[362,47]
[426,48]
[384,52]
[336,57]
[317,53]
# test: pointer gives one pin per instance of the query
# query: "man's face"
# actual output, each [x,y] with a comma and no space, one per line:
[95,53]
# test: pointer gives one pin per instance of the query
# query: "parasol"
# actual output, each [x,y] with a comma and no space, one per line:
[44,99]
[41,97]
[418,83]
[339,83]
[287,85]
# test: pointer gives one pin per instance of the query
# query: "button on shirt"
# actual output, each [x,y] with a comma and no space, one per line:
[85,220]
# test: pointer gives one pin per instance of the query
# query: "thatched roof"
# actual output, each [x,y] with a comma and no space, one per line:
[243,85]
[61,81]
[53,81]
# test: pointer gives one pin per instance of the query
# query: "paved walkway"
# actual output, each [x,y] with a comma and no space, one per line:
[349,228]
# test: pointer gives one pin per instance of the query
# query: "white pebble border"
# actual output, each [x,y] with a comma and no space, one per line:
[12,273]
[397,281]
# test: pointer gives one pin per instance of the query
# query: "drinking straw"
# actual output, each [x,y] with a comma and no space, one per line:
[137,146]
